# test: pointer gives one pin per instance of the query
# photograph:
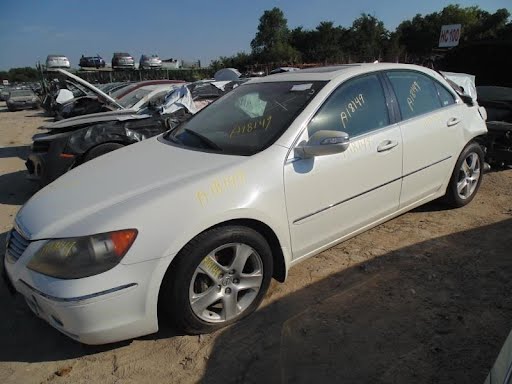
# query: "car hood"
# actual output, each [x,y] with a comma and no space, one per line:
[89,86]
[92,118]
[136,172]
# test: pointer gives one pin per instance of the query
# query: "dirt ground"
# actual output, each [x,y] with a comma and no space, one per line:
[424,298]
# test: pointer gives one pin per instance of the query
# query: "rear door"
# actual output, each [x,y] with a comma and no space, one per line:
[431,132]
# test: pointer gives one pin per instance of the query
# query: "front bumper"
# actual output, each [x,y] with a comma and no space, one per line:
[45,162]
[116,305]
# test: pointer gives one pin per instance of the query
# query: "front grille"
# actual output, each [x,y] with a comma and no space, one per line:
[16,244]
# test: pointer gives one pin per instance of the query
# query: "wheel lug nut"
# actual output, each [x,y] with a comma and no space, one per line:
[221,275]
[232,272]
[228,290]
[219,288]
[236,281]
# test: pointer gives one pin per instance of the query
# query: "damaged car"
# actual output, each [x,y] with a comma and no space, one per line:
[22,99]
[498,141]
[69,143]
[91,99]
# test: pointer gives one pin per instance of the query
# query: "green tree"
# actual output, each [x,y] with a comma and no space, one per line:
[241,61]
[420,35]
[367,38]
[271,43]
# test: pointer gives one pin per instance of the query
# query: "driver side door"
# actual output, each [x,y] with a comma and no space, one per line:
[331,197]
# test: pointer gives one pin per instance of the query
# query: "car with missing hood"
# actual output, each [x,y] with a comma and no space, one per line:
[22,99]
[69,143]
[192,225]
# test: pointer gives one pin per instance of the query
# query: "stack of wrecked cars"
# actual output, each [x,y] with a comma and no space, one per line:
[68,143]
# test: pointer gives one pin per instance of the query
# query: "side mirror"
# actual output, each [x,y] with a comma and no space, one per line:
[323,143]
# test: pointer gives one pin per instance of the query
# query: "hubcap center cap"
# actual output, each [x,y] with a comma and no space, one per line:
[226,281]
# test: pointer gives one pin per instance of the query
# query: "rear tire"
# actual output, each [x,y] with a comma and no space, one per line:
[466,177]
[101,150]
[218,278]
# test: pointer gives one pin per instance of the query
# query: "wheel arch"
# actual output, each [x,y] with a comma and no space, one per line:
[278,257]
[84,155]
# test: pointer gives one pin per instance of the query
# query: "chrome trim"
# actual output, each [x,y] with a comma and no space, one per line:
[79,298]
[344,201]
[428,166]
[297,221]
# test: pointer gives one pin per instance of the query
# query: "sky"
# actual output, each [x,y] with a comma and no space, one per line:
[187,29]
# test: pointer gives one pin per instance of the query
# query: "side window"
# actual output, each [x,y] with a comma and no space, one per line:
[356,107]
[416,93]
[445,96]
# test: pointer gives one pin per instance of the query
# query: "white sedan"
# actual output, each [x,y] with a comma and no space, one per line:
[191,226]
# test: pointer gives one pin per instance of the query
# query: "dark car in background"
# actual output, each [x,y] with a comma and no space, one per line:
[122,60]
[92,62]
[22,99]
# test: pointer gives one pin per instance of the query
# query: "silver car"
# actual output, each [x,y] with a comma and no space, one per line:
[22,99]
[150,62]
[57,61]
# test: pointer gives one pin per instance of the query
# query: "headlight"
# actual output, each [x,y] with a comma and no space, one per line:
[78,257]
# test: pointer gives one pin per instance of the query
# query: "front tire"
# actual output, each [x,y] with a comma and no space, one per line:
[466,177]
[218,278]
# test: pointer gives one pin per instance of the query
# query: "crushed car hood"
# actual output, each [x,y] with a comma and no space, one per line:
[89,86]
[89,119]
[150,168]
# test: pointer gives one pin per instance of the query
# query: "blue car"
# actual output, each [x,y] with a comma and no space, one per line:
[92,62]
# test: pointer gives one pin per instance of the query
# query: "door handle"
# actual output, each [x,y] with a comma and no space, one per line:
[453,121]
[387,145]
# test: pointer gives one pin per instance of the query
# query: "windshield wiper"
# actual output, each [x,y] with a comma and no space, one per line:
[204,139]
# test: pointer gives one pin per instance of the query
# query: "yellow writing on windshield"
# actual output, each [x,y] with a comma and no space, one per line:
[251,126]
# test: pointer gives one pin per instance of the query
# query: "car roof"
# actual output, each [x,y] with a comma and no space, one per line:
[332,72]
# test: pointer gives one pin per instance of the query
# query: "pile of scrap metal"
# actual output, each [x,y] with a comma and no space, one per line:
[497,102]
[71,96]
[69,143]
[498,143]
[67,95]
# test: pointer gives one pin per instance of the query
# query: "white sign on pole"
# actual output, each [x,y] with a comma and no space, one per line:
[5,82]
[450,35]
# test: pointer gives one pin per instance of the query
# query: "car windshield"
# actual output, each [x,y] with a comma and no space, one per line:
[21,93]
[133,97]
[246,120]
